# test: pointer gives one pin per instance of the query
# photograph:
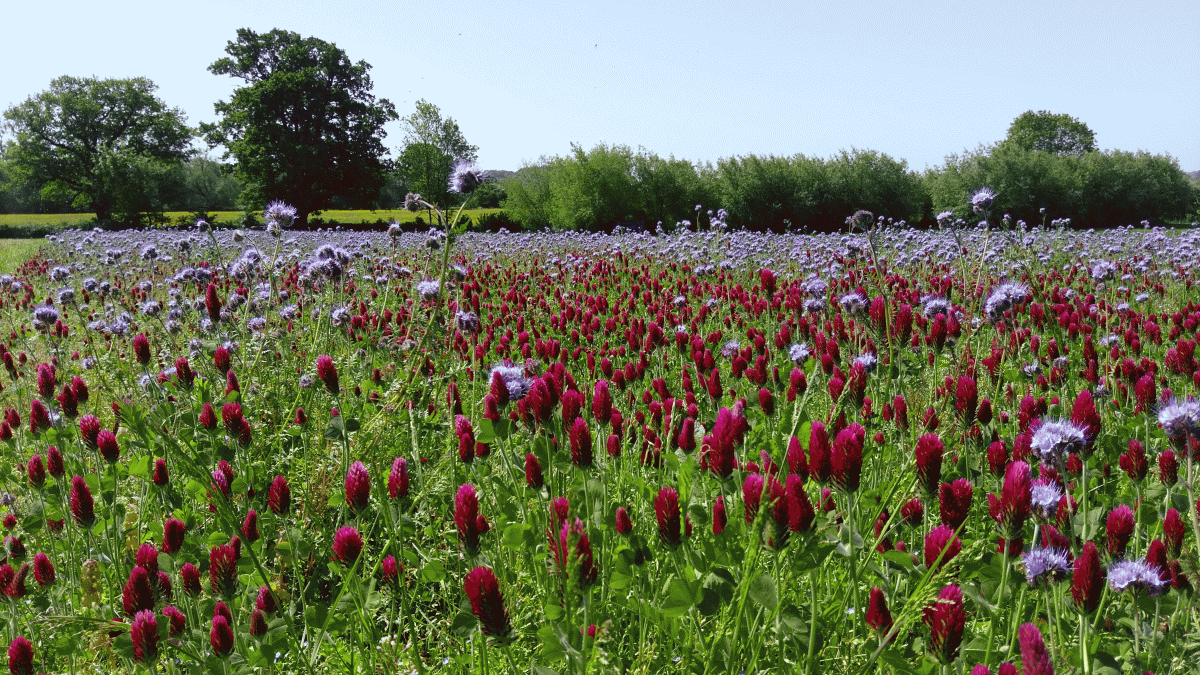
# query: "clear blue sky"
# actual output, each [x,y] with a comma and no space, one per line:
[700,80]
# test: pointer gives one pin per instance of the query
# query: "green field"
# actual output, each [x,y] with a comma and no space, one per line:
[13,252]
[25,225]
[357,216]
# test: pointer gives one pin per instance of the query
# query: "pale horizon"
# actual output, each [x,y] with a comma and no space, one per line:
[699,81]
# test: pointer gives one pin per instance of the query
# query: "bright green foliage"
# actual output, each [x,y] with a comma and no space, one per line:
[108,145]
[305,127]
[425,169]
[1096,190]
[431,147]
[1044,131]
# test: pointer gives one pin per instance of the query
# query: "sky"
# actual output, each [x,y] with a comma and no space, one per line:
[698,80]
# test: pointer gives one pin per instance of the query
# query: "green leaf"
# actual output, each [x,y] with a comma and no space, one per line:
[336,499]
[140,467]
[552,649]
[433,571]
[763,592]
[680,598]
[901,558]
[464,625]
[515,536]
[484,432]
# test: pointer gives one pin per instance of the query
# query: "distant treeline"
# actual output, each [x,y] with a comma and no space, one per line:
[607,185]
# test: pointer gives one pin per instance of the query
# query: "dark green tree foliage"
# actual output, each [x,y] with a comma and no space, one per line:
[426,170]
[1044,131]
[210,186]
[305,127]
[432,145]
[1098,189]
[109,146]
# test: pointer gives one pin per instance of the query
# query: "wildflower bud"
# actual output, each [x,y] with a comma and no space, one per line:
[20,656]
[1168,468]
[1119,530]
[190,574]
[941,541]
[1173,532]
[1035,658]
[913,512]
[398,479]
[327,374]
[39,417]
[173,532]
[666,510]
[106,443]
[250,526]
[222,570]
[144,634]
[946,620]
[624,524]
[43,570]
[846,457]
[54,462]
[82,506]
[258,623]
[347,545]
[221,360]
[160,476]
[581,443]
[878,617]
[208,416]
[279,496]
[720,517]
[800,509]
[358,487]
[36,471]
[487,603]
[389,570]
[954,500]
[533,472]
[220,638]
[46,380]
[141,349]
[1133,461]
[466,516]
[819,454]
[138,594]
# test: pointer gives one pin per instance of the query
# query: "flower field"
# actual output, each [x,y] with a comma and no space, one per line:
[961,450]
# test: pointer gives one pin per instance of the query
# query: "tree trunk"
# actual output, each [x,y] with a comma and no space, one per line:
[103,209]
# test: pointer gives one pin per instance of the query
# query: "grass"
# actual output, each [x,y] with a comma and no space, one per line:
[64,220]
[13,252]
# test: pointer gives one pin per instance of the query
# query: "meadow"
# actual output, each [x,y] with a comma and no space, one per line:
[36,224]
[887,450]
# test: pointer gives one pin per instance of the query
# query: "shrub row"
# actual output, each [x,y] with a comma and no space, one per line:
[608,185]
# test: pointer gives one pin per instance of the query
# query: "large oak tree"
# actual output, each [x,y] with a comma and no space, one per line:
[305,127]
[96,141]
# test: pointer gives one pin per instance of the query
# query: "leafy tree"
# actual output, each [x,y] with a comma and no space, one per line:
[426,170]
[210,185]
[305,127]
[1044,131]
[432,145]
[84,139]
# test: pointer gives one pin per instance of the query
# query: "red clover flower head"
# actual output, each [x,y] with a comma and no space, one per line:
[347,545]
[358,487]
[666,510]
[487,603]
[1035,658]
[398,479]
[327,374]
[279,496]
[144,633]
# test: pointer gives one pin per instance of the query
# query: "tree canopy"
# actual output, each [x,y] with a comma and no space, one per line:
[99,142]
[431,147]
[1047,132]
[305,127]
